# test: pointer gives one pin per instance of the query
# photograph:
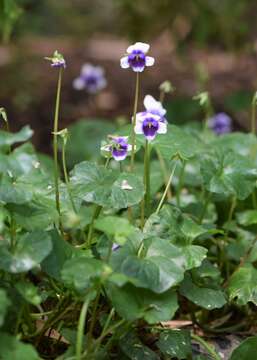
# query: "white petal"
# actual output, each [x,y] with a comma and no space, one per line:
[162,128]
[78,84]
[142,47]
[138,68]
[98,70]
[139,117]
[87,69]
[138,128]
[129,147]
[124,62]
[102,83]
[119,157]
[150,102]
[149,61]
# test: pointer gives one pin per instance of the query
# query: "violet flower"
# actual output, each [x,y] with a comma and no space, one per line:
[91,78]
[154,107]
[118,148]
[149,125]
[115,246]
[57,60]
[136,57]
[220,123]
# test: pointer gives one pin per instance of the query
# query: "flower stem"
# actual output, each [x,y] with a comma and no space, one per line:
[167,187]
[146,202]
[81,326]
[208,347]
[96,213]
[66,176]
[180,182]
[253,116]
[55,144]
[133,134]
[164,171]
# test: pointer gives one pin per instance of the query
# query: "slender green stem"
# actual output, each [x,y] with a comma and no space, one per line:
[147,176]
[66,176]
[94,316]
[133,135]
[81,326]
[121,166]
[205,206]
[180,182]
[207,347]
[166,189]
[55,142]
[96,213]
[164,171]
[253,115]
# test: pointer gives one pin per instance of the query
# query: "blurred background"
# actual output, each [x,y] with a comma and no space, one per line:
[198,45]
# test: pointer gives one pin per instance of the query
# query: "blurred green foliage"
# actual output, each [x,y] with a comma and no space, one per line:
[227,23]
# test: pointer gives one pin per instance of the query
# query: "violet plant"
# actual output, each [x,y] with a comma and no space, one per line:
[100,264]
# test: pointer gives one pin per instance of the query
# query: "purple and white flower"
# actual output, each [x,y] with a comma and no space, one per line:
[136,57]
[220,123]
[91,78]
[57,60]
[115,246]
[154,107]
[149,125]
[118,148]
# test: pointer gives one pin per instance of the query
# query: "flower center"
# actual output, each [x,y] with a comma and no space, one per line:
[136,59]
[150,127]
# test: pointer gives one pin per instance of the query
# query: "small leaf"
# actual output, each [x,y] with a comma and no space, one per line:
[247,217]
[134,303]
[4,304]
[205,297]
[12,349]
[30,249]
[134,349]
[242,286]
[7,139]
[95,184]
[246,350]
[78,272]
[175,343]
[29,292]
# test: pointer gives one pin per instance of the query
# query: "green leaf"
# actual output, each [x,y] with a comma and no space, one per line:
[134,349]
[94,130]
[7,139]
[39,213]
[228,174]
[93,183]
[171,223]
[205,297]
[29,292]
[177,142]
[175,343]
[119,228]
[13,349]
[28,252]
[247,217]
[133,303]
[79,272]
[242,286]
[4,304]
[61,252]
[246,350]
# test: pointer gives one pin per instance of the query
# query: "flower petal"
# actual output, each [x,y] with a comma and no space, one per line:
[141,47]
[124,62]
[138,128]
[149,61]
[138,68]
[78,83]
[87,69]
[162,128]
